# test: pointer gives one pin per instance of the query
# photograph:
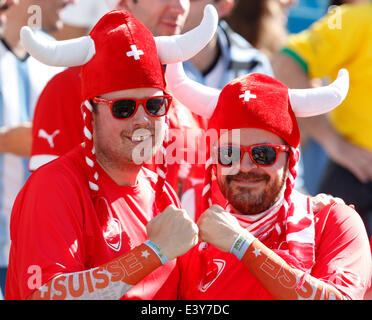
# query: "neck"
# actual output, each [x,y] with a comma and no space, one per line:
[123,175]
[205,58]
[258,216]
[15,21]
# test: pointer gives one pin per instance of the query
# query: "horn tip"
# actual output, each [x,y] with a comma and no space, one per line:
[210,10]
[25,31]
[343,73]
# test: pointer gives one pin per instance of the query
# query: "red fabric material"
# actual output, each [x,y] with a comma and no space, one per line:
[58,111]
[111,69]
[270,110]
[56,227]
[342,260]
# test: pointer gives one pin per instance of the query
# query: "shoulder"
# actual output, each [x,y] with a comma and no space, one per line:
[339,221]
[339,213]
[53,194]
[357,11]
[343,255]
[65,170]
[65,80]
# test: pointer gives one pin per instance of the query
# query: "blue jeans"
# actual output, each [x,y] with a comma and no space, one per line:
[2,281]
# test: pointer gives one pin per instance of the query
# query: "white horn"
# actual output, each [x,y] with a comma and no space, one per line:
[172,49]
[198,98]
[313,102]
[67,53]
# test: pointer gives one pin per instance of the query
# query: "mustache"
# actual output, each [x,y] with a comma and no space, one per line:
[248,176]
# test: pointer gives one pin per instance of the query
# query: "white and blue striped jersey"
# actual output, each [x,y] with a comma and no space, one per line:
[21,82]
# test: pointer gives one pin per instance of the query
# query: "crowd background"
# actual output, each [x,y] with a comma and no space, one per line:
[258,28]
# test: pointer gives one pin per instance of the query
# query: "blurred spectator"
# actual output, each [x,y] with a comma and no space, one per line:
[339,40]
[262,22]
[21,80]
[313,171]
[228,55]
[80,17]
[4,5]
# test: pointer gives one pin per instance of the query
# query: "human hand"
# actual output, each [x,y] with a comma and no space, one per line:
[173,231]
[321,200]
[219,228]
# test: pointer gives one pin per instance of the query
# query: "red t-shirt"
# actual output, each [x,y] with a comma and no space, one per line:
[55,228]
[342,251]
[58,122]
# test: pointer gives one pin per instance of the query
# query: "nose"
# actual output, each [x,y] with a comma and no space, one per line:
[8,2]
[246,164]
[179,6]
[140,119]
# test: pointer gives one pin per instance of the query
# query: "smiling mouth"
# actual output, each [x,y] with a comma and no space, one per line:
[140,138]
[248,181]
[171,24]
[140,135]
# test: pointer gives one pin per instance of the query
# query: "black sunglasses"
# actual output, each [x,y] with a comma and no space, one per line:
[155,106]
[260,154]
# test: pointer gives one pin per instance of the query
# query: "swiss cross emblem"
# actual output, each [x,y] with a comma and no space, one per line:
[247,96]
[135,53]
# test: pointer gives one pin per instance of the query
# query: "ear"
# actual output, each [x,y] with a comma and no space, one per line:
[224,7]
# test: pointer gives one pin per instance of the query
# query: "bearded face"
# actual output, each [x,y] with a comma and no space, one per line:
[249,187]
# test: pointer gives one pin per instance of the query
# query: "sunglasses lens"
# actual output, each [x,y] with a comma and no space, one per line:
[157,106]
[122,109]
[264,155]
[228,155]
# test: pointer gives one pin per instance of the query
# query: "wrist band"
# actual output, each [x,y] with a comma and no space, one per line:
[157,250]
[241,244]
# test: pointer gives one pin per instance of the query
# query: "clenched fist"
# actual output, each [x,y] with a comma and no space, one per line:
[219,228]
[173,231]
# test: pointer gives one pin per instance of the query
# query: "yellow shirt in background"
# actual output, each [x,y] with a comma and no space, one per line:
[342,39]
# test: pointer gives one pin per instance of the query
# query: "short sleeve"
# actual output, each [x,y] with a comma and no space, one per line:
[58,122]
[343,255]
[330,43]
[46,233]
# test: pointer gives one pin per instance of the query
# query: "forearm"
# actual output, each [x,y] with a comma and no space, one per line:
[320,129]
[288,71]
[109,281]
[281,280]
[16,140]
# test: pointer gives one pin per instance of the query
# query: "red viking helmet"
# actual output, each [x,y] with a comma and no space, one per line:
[120,53]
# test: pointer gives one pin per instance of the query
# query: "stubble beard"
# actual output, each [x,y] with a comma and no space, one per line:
[250,201]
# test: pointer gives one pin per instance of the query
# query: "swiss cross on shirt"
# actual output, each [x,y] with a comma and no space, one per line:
[247,96]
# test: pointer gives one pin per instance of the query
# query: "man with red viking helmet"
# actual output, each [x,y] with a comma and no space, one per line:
[266,241]
[94,223]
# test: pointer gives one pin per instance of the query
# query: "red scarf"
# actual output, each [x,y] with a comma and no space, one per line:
[292,237]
